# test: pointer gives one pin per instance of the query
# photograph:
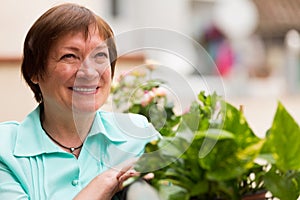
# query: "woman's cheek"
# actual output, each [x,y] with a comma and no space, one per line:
[106,74]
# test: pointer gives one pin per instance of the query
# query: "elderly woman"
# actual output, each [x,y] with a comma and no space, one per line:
[67,148]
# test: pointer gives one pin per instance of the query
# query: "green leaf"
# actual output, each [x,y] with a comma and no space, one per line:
[151,162]
[172,192]
[201,187]
[227,160]
[134,108]
[284,140]
[152,83]
[177,178]
[173,146]
[216,134]
[192,118]
[236,123]
[282,186]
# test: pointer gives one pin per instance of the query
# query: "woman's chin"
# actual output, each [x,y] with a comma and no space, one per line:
[85,107]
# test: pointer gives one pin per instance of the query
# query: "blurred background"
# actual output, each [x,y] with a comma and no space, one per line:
[254,44]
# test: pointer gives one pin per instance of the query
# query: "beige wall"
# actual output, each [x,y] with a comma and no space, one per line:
[16,99]
[17,16]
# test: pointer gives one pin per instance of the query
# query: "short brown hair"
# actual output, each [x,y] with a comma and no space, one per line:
[53,24]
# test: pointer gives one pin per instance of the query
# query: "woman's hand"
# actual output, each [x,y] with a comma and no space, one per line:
[107,184]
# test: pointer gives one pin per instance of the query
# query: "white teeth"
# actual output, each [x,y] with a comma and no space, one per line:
[77,89]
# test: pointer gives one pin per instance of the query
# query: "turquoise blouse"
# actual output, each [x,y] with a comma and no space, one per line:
[33,167]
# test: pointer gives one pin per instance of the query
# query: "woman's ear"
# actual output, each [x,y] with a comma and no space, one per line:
[35,80]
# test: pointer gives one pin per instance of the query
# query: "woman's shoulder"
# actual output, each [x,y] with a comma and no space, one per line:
[8,128]
[8,134]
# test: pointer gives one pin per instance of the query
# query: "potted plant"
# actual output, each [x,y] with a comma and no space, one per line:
[217,163]
[210,152]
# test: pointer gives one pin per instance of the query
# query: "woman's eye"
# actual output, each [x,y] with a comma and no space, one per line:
[101,54]
[68,56]
[100,57]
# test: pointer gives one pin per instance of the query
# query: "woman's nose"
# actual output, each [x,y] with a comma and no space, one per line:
[87,70]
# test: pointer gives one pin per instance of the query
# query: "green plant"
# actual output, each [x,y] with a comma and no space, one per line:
[210,152]
[219,161]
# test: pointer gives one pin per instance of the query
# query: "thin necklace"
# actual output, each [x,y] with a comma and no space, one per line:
[71,149]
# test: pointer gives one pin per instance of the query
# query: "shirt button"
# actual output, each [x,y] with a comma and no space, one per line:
[75,182]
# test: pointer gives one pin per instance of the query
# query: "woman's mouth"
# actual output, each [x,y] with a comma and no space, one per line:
[85,90]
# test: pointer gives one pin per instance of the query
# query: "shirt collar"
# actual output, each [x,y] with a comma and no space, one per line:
[31,139]
[103,125]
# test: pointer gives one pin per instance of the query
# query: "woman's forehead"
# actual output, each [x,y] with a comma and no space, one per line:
[79,38]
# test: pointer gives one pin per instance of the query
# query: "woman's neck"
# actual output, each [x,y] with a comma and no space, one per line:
[66,127]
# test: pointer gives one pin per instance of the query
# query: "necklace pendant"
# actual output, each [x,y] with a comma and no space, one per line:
[72,149]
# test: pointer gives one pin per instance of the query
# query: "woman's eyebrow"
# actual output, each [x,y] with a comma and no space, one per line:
[73,48]
[101,46]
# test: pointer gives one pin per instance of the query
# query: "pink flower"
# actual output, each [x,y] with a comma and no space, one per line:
[186,110]
[147,98]
[159,92]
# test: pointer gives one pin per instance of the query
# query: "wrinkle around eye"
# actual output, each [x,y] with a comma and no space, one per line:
[100,57]
[102,54]
[70,59]
[69,56]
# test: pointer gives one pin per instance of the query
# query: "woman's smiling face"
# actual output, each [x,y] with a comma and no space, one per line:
[78,73]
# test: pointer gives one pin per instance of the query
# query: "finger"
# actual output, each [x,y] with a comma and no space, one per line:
[128,174]
[126,166]
[122,173]
[148,176]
